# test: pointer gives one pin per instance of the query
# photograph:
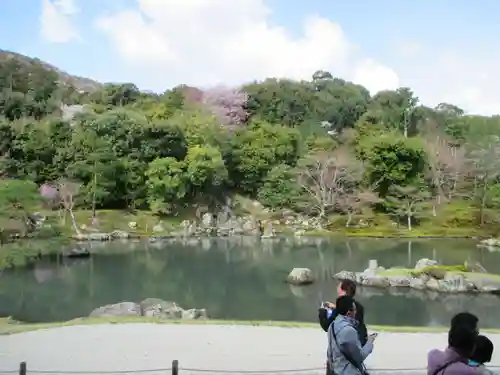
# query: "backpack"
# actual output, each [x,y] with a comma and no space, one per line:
[324,319]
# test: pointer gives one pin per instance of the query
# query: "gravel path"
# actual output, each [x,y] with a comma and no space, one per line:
[148,346]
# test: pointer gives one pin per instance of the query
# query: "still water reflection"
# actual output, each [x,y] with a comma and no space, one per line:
[241,278]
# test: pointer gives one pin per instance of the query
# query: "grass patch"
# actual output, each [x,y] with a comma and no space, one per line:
[417,232]
[381,232]
[109,220]
[457,270]
[9,326]
[455,219]
[395,272]
[481,276]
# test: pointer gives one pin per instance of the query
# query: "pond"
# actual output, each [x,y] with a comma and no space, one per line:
[242,278]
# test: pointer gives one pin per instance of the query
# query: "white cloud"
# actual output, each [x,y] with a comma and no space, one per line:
[57,21]
[206,42]
[375,77]
[468,79]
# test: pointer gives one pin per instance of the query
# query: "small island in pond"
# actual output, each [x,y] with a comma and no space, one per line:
[427,275]
[151,308]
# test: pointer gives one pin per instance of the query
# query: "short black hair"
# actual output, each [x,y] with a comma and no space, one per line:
[349,287]
[462,338]
[344,304]
[465,319]
[483,350]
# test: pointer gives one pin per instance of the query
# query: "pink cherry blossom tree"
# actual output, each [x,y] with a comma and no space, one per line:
[50,194]
[227,104]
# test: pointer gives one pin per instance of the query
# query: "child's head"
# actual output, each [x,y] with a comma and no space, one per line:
[483,351]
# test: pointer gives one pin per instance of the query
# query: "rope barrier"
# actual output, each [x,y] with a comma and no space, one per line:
[101,372]
[254,371]
[216,371]
[175,369]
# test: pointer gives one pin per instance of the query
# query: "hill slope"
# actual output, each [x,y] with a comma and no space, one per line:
[80,83]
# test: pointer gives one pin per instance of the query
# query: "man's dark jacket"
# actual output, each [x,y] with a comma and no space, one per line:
[361,328]
[325,321]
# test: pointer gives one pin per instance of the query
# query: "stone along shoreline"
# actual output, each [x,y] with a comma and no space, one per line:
[429,276]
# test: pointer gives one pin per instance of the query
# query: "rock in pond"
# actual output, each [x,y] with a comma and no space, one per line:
[117,309]
[150,307]
[78,253]
[120,234]
[93,237]
[100,237]
[424,263]
[491,244]
[300,276]
[427,276]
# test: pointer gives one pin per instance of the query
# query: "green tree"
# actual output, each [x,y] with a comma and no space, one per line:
[408,202]
[206,171]
[166,184]
[18,199]
[95,165]
[199,129]
[392,159]
[283,102]
[280,188]
[255,150]
[339,103]
[114,95]
[399,110]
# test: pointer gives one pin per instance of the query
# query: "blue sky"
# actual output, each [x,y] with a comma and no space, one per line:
[446,50]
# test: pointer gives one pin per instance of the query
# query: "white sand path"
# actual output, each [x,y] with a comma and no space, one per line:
[148,346]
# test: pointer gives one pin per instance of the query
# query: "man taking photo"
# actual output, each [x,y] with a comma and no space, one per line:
[327,312]
[346,354]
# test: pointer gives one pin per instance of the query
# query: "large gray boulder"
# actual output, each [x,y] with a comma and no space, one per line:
[120,234]
[424,263]
[155,307]
[300,276]
[487,284]
[117,309]
[455,283]
[192,314]
[489,243]
[150,307]
[399,281]
[375,281]
[418,283]
[345,275]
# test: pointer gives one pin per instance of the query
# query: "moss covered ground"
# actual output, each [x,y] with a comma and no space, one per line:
[394,272]
[9,326]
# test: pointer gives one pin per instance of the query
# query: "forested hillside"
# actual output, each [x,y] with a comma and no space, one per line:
[323,147]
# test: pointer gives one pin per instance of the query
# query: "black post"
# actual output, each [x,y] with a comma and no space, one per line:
[175,367]
[22,368]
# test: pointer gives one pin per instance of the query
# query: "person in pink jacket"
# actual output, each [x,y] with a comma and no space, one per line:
[454,360]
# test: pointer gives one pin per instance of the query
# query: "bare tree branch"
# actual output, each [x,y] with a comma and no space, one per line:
[333,182]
